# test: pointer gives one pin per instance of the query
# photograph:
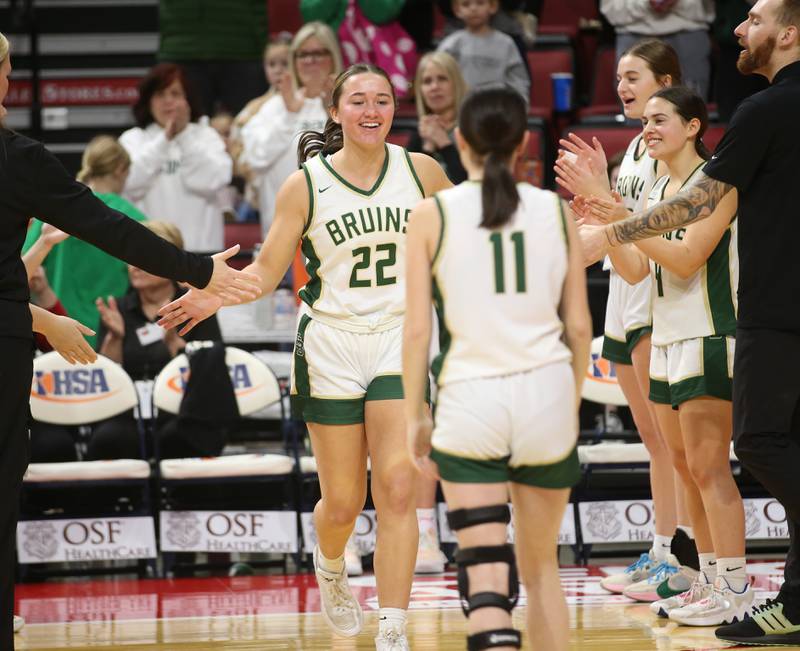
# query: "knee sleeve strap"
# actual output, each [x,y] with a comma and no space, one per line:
[478,556]
[463,518]
[495,638]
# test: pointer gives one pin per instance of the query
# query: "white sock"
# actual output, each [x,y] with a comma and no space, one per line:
[734,571]
[687,530]
[708,566]
[334,565]
[661,546]
[391,619]
[426,518]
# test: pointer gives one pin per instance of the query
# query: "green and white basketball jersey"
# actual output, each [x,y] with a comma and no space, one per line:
[637,173]
[704,304]
[355,243]
[497,291]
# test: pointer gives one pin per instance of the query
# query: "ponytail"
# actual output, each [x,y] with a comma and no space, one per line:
[328,142]
[499,194]
[493,122]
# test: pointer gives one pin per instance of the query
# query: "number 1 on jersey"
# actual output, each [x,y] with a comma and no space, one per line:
[518,240]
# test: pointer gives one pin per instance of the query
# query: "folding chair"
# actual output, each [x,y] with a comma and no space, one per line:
[231,503]
[85,510]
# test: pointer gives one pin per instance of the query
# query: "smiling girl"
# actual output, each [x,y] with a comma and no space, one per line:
[694,272]
[349,205]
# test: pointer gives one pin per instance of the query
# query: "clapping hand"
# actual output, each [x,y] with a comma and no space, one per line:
[582,168]
[111,317]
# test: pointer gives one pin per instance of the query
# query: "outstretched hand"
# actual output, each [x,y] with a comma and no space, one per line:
[582,168]
[66,336]
[190,309]
[231,285]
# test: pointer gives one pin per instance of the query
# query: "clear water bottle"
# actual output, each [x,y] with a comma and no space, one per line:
[284,310]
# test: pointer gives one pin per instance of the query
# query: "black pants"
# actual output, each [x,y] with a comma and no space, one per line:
[766,423]
[16,368]
[225,85]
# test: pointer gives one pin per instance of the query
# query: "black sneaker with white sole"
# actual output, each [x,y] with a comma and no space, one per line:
[769,625]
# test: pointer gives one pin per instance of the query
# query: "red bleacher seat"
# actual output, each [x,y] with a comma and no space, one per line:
[565,16]
[605,72]
[543,63]
[530,167]
[244,234]
[713,135]
[399,138]
[283,16]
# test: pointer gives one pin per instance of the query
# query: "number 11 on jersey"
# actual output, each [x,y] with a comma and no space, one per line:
[518,241]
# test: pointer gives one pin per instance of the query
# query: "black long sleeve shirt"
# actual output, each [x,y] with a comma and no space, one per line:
[34,184]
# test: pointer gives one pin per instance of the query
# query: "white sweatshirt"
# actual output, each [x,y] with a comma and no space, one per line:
[178,180]
[638,17]
[270,140]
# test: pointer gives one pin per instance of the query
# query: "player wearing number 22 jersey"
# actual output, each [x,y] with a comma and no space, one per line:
[349,338]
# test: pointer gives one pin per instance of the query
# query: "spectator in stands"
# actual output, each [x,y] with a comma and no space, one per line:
[369,32]
[129,335]
[270,137]
[276,63]
[486,56]
[684,24]
[219,44]
[80,272]
[178,166]
[439,89]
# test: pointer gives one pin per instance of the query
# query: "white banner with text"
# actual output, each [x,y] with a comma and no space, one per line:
[85,539]
[266,532]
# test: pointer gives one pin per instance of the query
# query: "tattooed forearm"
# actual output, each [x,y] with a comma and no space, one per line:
[695,202]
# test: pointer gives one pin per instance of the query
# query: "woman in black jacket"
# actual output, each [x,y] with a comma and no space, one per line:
[33,183]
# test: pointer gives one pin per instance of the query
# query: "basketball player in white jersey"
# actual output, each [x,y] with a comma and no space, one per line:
[695,276]
[644,69]
[499,261]
[349,206]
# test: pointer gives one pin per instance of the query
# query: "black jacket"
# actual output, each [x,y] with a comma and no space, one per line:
[34,184]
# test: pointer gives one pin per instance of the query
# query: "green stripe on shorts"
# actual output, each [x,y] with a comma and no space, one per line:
[714,381]
[329,411]
[616,351]
[561,474]
[632,338]
[470,471]
[386,387]
[659,392]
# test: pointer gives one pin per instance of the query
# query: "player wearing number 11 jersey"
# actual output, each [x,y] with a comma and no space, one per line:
[499,262]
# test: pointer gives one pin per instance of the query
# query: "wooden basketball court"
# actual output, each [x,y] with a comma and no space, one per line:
[282,612]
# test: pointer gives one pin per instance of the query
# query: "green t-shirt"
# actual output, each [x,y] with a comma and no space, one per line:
[79,272]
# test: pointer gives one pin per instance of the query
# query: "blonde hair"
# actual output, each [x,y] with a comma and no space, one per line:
[326,36]
[283,39]
[451,69]
[102,156]
[167,231]
[4,47]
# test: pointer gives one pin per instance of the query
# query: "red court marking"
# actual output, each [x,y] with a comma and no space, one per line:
[118,600]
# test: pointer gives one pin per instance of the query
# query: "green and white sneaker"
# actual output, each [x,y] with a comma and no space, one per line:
[677,583]
[634,573]
[646,590]
[697,591]
[767,625]
[722,606]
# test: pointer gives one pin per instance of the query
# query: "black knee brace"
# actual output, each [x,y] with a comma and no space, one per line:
[463,518]
[495,638]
